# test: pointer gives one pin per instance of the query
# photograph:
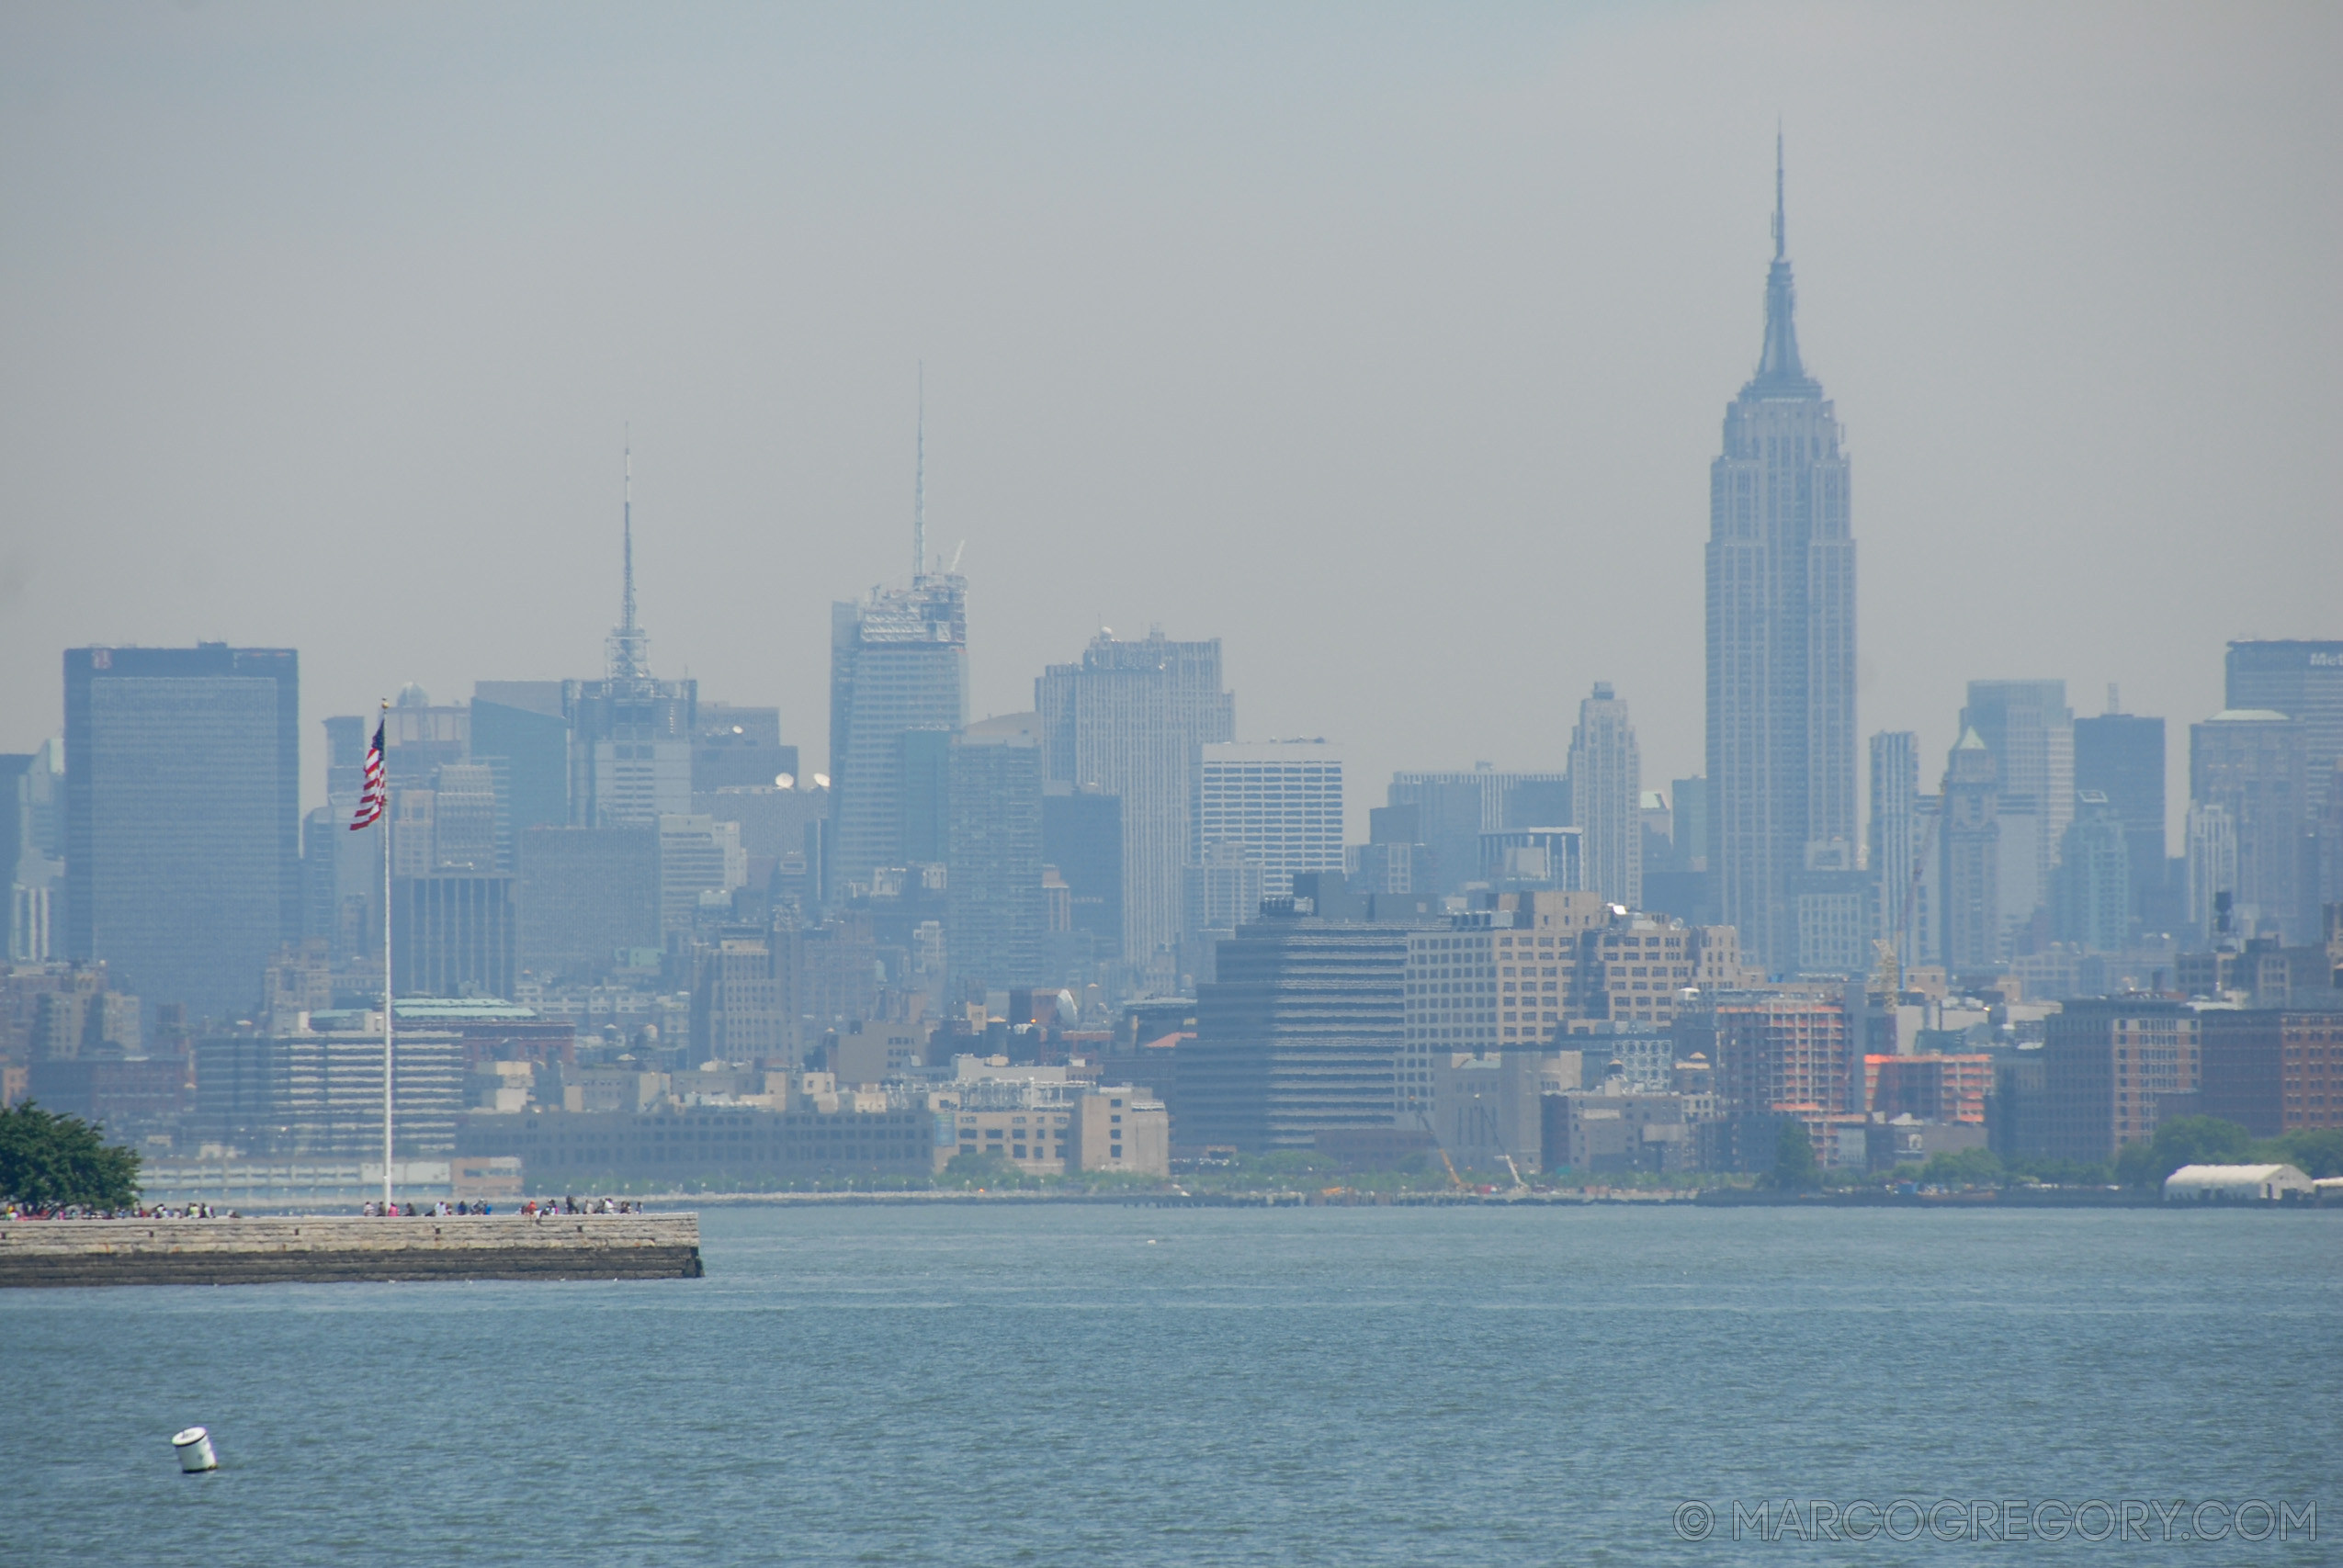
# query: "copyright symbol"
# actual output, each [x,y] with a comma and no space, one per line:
[1695,1520]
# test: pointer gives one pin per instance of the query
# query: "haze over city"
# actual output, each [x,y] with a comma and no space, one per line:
[1360,340]
[1196,785]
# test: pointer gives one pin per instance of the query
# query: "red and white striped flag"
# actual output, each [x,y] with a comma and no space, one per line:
[373,797]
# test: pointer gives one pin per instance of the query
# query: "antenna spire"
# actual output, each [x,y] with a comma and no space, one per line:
[919,486]
[627,660]
[1781,218]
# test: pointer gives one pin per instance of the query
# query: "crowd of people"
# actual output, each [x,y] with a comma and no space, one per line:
[138,1211]
[542,1207]
[535,1208]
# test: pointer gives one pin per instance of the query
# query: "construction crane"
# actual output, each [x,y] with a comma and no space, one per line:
[1453,1180]
[1519,1185]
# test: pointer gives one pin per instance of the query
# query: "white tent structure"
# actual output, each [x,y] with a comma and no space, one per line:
[2235,1184]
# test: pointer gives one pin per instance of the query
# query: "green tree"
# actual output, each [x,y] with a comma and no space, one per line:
[2187,1140]
[1794,1169]
[987,1170]
[47,1160]
[2317,1152]
[1964,1168]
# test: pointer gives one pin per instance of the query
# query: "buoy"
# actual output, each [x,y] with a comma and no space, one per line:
[194,1447]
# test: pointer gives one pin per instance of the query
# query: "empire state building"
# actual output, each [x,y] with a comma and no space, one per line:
[1781,639]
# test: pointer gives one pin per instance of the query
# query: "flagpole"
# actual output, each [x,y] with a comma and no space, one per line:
[386,963]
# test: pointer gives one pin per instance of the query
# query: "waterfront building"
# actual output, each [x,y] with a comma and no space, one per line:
[1781,627]
[319,1090]
[183,818]
[2115,1067]
[2274,1070]
[1130,720]
[1779,1055]
[1299,1033]
[1928,1087]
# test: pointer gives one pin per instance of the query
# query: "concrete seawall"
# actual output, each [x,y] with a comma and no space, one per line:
[311,1250]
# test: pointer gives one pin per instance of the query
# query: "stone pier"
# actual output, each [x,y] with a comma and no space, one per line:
[312,1249]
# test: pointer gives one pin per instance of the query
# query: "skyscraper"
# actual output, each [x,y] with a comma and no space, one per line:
[1969,841]
[1279,801]
[2120,756]
[1895,829]
[1454,809]
[2091,892]
[2248,761]
[183,818]
[631,736]
[1129,719]
[1780,569]
[993,916]
[1606,792]
[2030,731]
[898,662]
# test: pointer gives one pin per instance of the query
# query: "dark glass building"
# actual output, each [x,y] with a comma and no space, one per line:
[183,867]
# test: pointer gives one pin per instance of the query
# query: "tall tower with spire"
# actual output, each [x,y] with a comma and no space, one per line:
[631,735]
[899,664]
[1781,567]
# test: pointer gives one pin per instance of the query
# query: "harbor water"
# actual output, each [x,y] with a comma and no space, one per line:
[973,1384]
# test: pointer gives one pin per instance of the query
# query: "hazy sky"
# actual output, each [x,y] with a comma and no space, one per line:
[1388,345]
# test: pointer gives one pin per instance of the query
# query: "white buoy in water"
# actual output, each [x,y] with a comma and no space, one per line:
[194,1447]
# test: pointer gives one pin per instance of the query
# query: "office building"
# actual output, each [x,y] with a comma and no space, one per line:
[1781,620]
[464,818]
[2209,873]
[1779,1056]
[1395,858]
[2112,1069]
[994,919]
[2274,1070]
[1515,860]
[453,935]
[1082,835]
[700,862]
[2304,682]
[899,664]
[32,851]
[2091,889]
[183,818]
[630,734]
[1280,802]
[1969,858]
[2120,756]
[1298,1036]
[1454,809]
[1223,892]
[589,898]
[1488,982]
[2251,762]
[739,747]
[319,1090]
[1130,720]
[2030,730]
[520,734]
[1606,793]
[741,1002]
[1896,838]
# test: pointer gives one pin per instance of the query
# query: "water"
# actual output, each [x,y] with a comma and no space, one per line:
[1077,1385]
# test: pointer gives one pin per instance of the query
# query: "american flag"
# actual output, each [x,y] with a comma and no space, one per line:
[372,799]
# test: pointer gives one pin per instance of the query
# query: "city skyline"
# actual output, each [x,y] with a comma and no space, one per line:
[1091,489]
